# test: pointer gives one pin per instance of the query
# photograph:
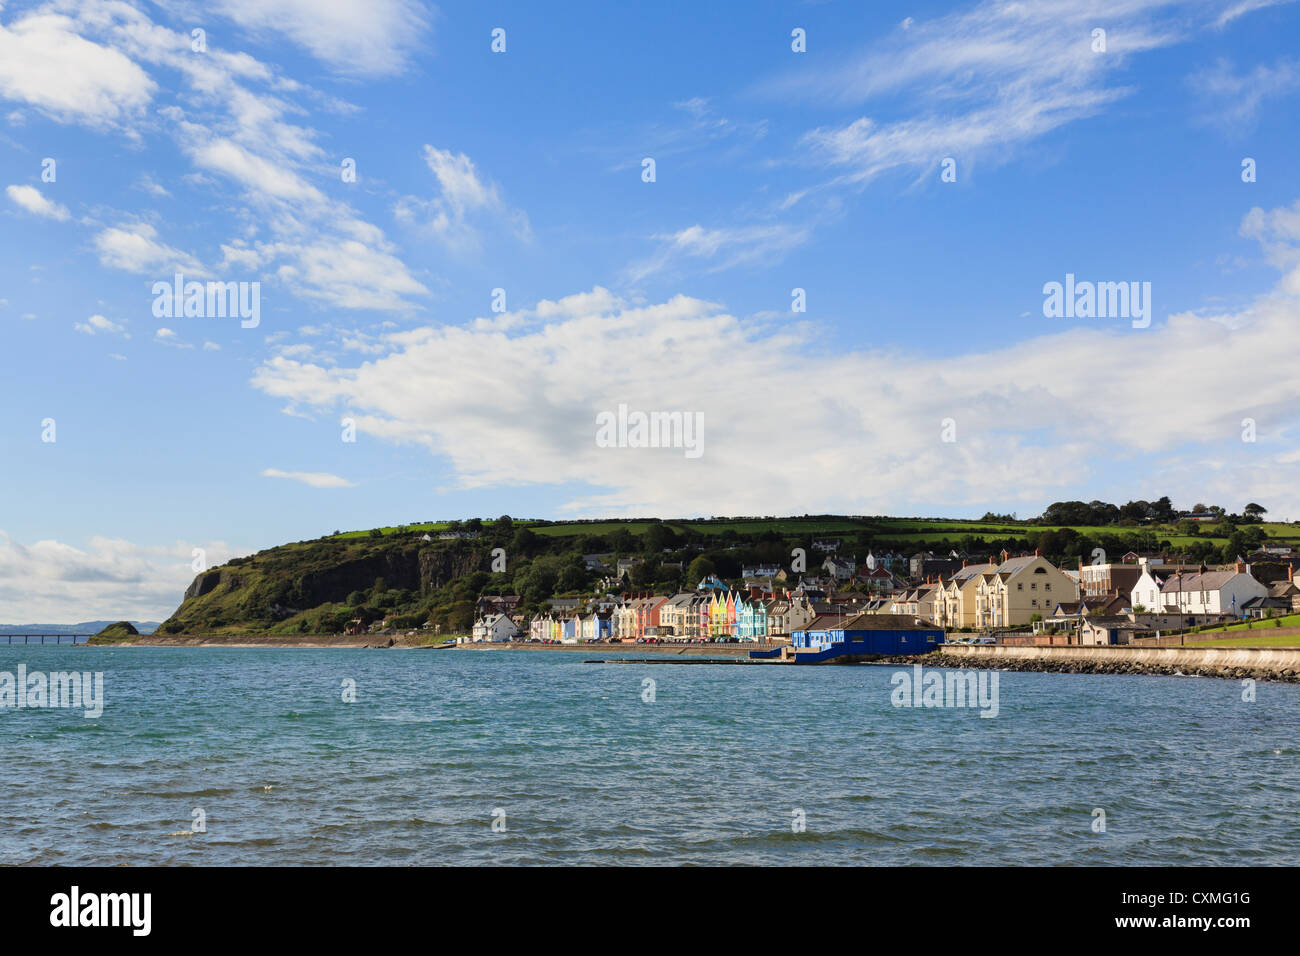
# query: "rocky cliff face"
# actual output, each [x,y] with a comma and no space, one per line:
[279,583]
[203,583]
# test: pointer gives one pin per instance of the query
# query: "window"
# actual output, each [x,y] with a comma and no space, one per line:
[1020,586]
[1034,586]
[1047,587]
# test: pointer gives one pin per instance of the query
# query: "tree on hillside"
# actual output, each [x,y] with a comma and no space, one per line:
[700,568]
[573,576]
[658,537]
[524,544]
[1254,512]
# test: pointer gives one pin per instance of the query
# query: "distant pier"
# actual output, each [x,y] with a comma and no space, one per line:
[40,638]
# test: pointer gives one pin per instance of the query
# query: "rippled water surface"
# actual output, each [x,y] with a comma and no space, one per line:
[587,772]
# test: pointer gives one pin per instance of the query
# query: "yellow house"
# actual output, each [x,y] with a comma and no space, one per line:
[954,604]
[1018,588]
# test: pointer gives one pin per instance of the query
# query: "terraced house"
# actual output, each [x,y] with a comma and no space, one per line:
[751,620]
[955,602]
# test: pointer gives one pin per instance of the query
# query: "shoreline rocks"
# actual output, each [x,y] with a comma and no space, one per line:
[1120,667]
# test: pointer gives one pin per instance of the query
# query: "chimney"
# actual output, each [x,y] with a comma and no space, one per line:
[1241,566]
[1290,572]
[1035,552]
[964,562]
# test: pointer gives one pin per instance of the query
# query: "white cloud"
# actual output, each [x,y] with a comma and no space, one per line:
[97,323]
[373,38]
[170,338]
[136,248]
[30,198]
[111,579]
[843,413]
[231,118]
[347,273]
[46,63]
[150,185]
[316,479]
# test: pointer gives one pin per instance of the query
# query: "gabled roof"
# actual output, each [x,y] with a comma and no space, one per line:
[970,571]
[1012,565]
[1208,581]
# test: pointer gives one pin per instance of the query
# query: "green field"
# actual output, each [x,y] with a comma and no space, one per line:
[897,532]
[1290,620]
[1262,640]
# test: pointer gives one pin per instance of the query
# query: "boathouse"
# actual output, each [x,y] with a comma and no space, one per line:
[867,635]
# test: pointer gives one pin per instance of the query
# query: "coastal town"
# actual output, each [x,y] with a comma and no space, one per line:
[1002,598]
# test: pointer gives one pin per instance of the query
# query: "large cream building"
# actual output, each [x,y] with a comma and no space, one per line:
[1018,588]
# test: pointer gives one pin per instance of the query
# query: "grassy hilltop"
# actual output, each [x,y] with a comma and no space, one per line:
[316,587]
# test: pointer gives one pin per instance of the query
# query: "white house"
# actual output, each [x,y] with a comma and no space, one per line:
[494,628]
[841,569]
[1209,592]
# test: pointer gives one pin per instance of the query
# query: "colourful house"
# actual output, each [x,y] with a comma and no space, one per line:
[751,620]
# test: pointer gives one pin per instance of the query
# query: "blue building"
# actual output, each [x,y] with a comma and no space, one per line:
[864,636]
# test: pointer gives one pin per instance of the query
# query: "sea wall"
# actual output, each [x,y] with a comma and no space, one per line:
[1268,663]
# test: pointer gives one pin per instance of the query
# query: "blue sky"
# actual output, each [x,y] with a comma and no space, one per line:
[522,170]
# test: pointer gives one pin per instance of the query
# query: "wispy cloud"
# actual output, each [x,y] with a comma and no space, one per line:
[720,248]
[978,83]
[316,479]
[230,114]
[1234,99]
[465,203]
[376,38]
